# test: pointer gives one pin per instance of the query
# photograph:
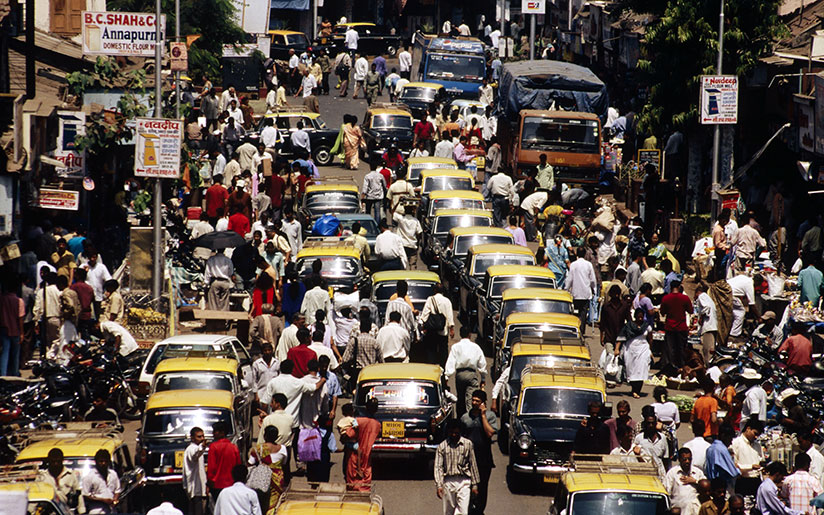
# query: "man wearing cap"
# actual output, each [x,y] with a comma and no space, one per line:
[755,401]
[799,350]
[796,418]
[767,330]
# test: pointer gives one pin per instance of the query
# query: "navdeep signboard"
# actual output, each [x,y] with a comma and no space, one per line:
[157,148]
[533,7]
[115,33]
[719,99]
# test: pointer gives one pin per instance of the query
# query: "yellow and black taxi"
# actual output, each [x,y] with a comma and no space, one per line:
[413,405]
[328,197]
[434,240]
[610,484]
[518,325]
[550,406]
[281,41]
[205,374]
[421,96]
[372,39]
[168,419]
[548,351]
[384,126]
[537,298]
[442,179]
[421,285]
[450,199]
[415,165]
[478,260]
[327,499]
[79,442]
[42,498]
[453,255]
[341,263]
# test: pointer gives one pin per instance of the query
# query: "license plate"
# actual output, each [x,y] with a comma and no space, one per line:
[393,429]
[178,459]
[552,478]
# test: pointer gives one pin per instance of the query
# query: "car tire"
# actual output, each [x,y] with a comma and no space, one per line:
[503,440]
[514,482]
[323,156]
[391,50]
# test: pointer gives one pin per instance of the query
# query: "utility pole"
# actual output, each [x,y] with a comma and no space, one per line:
[532,36]
[30,52]
[177,73]
[503,18]
[157,275]
[716,137]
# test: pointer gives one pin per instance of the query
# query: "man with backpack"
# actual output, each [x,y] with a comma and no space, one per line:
[438,326]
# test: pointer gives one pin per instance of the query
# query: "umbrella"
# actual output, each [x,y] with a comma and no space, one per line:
[219,240]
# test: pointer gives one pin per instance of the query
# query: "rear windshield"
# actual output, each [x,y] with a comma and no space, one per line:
[414,93]
[333,267]
[446,183]
[183,350]
[499,284]
[484,261]
[391,121]
[417,290]
[618,503]
[533,306]
[193,381]
[296,39]
[519,362]
[454,203]
[463,243]
[558,401]
[399,394]
[415,170]
[444,223]
[327,201]
[179,421]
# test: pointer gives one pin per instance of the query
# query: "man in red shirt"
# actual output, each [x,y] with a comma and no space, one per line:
[239,223]
[302,354]
[223,455]
[799,349]
[216,197]
[277,190]
[423,132]
[675,305]
[392,157]
[85,295]
[240,200]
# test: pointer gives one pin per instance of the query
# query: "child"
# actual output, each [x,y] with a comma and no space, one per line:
[347,427]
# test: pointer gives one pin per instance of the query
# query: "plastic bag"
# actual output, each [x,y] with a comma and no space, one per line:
[613,366]
[326,225]
[309,444]
[775,285]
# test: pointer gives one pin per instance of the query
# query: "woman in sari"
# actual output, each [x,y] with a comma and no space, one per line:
[657,248]
[633,341]
[274,456]
[352,143]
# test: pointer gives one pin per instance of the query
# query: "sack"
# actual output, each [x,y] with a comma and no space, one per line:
[260,478]
[436,321]
[309,444]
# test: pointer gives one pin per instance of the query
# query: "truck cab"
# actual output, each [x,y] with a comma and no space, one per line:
[458,64]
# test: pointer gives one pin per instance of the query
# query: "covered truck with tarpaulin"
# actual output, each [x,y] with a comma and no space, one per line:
[553,108]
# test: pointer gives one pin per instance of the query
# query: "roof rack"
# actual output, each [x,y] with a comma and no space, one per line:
[290,109]
[549,338]
[327,493]
[67,430]
[22,472]
[564,369]
[319,242]
[610,464]
[390,105]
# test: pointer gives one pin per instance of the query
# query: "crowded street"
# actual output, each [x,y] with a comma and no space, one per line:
[482,260]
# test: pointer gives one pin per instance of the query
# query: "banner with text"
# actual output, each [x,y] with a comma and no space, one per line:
[66,200]
[115,33]
[157,148]
[719,99]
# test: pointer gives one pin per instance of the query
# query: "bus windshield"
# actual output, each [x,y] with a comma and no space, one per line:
[464,68]
[560,135]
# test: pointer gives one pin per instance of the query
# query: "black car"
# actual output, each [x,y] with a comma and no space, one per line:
[384,125]
[372,40]
[321,137]
[285,40]
[419,97]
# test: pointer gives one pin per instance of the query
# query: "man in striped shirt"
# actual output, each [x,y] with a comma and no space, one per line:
[456,472]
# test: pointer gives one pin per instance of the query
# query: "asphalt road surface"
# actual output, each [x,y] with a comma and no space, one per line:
[406,486]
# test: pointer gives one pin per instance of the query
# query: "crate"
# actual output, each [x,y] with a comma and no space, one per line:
[148,331]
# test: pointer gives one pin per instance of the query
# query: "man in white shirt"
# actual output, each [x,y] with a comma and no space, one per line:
[389,249]
[269,135]
[294,62]
[96,275]
[704,308]
[532,205]
[321,349]
[265,368]
[218,276]
[124,341]
[351,39]
[444,148]
[653,277]
[361,69]
[372,192]
[581,283]
[307,84]
[748,455]
[698,445]
[805,443]
[300,140]
[226,97]
[399,84]
[399,189]
[293,231]
[503,195]
[238,499]
[202,226]
[743,300]
[466,362]
[394,340]
[220,165]
[164,508]
[292,387]
[436,342]
[755,401]
[288,339]
[681,483]
[315,299]
[235,112]
[409,229]
[402,306]
[194,472]
[405,62]
[100,486]
[486,94]
[494,36]
[463,29]
[277,418]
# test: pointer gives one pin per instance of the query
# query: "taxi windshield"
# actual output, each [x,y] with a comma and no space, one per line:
[296,39]
[455,203]
[446,183]
[618,503]
[463,243]
[193,381]
[417,290]
[558,401]
[332,267]
[534,306]
[414,93]
[399,394]
[391,121]
[444,223]
[179,421]
[499,284]
[484,261]
[326,201]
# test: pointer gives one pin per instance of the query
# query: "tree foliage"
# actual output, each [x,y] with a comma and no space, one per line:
[211,19]
[682,45]
[105,130]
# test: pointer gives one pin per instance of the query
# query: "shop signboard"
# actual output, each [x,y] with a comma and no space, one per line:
[65,200]
[157,148]
[116,33]
[719,99]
